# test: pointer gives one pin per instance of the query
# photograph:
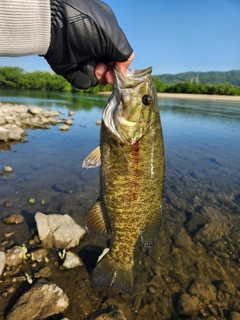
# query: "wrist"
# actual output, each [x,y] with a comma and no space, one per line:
[24,27]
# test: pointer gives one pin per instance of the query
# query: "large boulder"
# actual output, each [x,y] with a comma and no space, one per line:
[41,301]
[58,231]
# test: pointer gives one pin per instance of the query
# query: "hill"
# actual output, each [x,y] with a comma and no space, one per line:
[212,77]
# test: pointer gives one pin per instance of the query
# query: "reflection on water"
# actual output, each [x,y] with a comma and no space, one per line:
[199,238]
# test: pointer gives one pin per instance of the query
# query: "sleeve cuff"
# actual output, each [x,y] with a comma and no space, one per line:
[25,27]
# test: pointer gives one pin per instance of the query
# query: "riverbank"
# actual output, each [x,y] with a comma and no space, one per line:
[189,96]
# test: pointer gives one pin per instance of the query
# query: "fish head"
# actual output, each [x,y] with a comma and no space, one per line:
[132,106]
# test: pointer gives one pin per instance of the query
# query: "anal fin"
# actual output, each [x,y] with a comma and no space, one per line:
[93,160]
[95,221]
[149,234]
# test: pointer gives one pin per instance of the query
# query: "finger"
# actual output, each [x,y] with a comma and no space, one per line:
[100,72]
[123,66]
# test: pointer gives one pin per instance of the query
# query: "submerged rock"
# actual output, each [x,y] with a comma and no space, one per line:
[72,260]
[64,128]
[188,305]
[14,256]
[14,219]
[41,301]
[109,314]
[58,231]
[2,262]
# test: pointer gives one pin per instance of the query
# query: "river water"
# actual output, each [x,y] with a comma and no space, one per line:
[199,239]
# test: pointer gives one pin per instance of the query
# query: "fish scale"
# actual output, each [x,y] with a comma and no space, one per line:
[131,177]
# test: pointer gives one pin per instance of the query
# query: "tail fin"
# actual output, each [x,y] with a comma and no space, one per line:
[107,273]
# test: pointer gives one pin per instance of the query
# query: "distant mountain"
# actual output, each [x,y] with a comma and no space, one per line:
[212,77]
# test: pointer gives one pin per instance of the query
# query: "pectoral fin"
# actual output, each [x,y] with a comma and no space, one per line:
[93,160]
[95,221]
[149,234]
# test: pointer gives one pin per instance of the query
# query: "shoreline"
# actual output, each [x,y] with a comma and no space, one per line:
[189,96]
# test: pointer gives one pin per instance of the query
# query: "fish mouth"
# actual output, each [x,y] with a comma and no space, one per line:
[133,78]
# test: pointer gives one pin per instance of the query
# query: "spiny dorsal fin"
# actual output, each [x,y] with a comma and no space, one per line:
[149,234]
[93,160]
[95,222]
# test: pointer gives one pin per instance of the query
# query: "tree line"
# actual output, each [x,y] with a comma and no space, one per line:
[17,78]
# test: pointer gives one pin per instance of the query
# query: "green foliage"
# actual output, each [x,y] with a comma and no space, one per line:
[212,77]
[17,78]
[186,87]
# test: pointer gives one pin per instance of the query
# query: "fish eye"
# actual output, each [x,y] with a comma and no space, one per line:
[147,99]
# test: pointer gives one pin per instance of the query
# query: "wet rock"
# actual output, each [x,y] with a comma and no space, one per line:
[14,256]
[35,110]
[71,113]
[2,262]
[41,301]
[39,255]
[8,169]
[59,231]
[4,134]
[14,219]
[209,233]
[227,287]
[14,132]
[98,122]
[72,260]
[64,128]
[188,305]
[109,314]
[8,234]
[147,312]
[204,290]
[45,272]
[69,122]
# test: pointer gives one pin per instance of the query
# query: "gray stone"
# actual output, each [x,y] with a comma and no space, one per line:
[15,132]
[69,122]
[64,128]
[72,260]
[2,120]
[41,301]
[35,110]
[2,262]
[4,132]
[59,231]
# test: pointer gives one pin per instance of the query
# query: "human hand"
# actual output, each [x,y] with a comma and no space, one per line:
[85,38]
[104,72]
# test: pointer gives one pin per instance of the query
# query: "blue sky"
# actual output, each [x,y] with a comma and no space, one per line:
[172,36]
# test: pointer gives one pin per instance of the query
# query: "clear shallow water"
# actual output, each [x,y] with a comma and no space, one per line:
[199,238]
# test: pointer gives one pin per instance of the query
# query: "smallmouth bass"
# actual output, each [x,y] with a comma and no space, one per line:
[131,155]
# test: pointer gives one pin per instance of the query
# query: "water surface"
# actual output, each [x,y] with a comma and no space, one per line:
[199,238]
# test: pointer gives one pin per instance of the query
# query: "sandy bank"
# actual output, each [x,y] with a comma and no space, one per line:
[190,96]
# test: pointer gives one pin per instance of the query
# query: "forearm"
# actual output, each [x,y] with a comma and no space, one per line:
[24,27]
